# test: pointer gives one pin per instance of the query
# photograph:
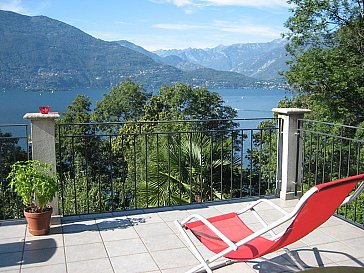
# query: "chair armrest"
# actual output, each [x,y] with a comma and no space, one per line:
[252,205]
[353,196]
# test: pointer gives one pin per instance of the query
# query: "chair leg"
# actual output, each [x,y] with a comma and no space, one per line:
[290,255]
[195,251]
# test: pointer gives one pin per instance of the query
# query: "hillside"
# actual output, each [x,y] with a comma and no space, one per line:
[262,61]
[42,53]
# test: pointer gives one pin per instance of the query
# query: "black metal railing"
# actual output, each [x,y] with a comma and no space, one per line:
[124,166]
[332,151]
[14,146]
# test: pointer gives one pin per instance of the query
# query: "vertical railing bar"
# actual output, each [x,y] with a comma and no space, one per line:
[348,174]
[99,181]
[297,157]
[309,161]
[221,164]
[190,178]
[241,164]
[260,162]
[324,163]
[279,157]
[111,173]
[74,174]
[270,161]
[123,187]
[2,185]
[179,168]
[357,172]
[15,195]
[158,176]
[340,152]
[231,165]
[332,157]
[60,167]
[316,159]
[27,141]
[211,166]
[349,161]
[87,179]
[135,173]
[251,163]
[358,158]
[146,168]
[201,165]
[303,165]
[169,169]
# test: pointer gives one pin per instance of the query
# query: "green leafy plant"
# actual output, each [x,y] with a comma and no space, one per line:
[34,183]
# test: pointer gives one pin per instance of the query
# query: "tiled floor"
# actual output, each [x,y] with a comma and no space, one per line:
[148,241]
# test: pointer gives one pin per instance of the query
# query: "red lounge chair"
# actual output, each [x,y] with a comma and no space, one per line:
[228,236]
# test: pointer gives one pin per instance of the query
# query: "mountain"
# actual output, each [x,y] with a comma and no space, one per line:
[40,53]
[262,61]
[172,60]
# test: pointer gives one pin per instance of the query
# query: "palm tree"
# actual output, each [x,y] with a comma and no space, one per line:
[187,167]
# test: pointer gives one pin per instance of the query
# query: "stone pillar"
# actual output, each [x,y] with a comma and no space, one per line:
[43,142]
[291,154]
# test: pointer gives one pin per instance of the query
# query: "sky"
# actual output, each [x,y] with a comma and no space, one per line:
[166,24]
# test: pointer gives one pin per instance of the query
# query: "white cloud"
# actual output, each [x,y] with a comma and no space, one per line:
[243,3]
[178,3]
[12,5]
[26,7]
[248,28]
[178,26]
[247,3]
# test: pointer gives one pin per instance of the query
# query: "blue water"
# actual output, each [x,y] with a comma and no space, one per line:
[249,103]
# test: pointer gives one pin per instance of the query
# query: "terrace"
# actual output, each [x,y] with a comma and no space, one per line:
[136,233]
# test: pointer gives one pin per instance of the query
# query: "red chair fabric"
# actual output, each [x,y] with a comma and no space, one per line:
[317,210]
[235,230]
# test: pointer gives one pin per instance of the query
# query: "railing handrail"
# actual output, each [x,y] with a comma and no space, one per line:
[173,132]
[165,121]
[331,124]
[14,125]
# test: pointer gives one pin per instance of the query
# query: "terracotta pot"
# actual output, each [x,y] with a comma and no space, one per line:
[38,223]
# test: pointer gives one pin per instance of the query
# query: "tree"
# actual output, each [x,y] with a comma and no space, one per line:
[75,122]
[125,102]
[10,152]
[178,102]
[326,42]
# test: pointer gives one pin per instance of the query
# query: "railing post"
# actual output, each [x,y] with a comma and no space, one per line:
[43,142]
[290,151]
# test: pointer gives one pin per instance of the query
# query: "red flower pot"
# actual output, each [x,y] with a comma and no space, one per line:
[44,109]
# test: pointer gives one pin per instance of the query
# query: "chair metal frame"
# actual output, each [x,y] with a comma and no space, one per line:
[267,228]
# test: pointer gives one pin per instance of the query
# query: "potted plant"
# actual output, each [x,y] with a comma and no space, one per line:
[34,183]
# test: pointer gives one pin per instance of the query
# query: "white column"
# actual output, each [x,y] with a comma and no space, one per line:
[43,142]
[289,158]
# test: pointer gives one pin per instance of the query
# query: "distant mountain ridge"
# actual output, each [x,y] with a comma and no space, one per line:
[40,53]
[172,60]
[263,61]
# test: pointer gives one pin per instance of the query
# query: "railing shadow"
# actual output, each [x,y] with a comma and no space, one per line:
[82,225]
[130,218]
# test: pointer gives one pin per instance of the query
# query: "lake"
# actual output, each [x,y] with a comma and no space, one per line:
[249,103]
